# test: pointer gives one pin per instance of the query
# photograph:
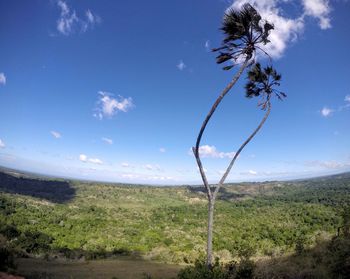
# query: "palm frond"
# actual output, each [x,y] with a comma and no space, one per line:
[261,83]
[244,30]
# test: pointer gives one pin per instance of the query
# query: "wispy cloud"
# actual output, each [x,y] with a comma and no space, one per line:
[2,144]
[83,157]
[91,21]
[210,151]
[319,9]
[347,103]
[326,112]
[56,134]
[151,167]
[107,140]
[181,65]
[95,161]
[2,79]
[264,173]
[108,106]
[328,164]
[147,178]
[162,150]
[252,172]
[126,165]
[288,29]
[69,23]
[86,159]
[207,45]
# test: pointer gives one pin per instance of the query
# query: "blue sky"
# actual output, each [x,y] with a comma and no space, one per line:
[117,91]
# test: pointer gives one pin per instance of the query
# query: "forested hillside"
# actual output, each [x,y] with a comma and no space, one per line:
[76,219]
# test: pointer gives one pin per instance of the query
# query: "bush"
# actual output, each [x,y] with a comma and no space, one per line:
[34,242]
[299,245]
[9,231]
[201,271]
[242,270]
[339,260]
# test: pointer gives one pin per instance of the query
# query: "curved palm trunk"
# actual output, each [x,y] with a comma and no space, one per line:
[222,180]
[211,198]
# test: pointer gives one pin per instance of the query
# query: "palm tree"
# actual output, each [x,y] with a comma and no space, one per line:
[261,83]
[244,32]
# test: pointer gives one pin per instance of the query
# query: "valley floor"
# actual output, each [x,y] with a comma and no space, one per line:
[105,269]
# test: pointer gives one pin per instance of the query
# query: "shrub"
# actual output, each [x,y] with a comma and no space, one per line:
[34,242]
[339,261]
[234,270]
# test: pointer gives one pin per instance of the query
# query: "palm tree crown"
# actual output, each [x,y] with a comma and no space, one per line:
[244,32]
[261,83]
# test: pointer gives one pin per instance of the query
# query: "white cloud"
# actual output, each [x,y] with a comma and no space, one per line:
[160,178]
[56,134]
[67,19]
[319,9]
[148,167]
[86,159]
[207,151]
[108,106]
[207,45]
[347,103]
[2,144]
[162,150]
[260,174]
[151,167]
[328,164]
[181,66]
[326,112]
[95,161]
[107,140]
[126,165]
[130,175]
[90,16]
[83,157]
[2,79]
[147,178]
[252,172]
[92,20]
[287,29]
[69,22]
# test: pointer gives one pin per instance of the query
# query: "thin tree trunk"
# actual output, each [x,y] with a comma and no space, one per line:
[219,99]
[211,198]
[222,180]
[210,232]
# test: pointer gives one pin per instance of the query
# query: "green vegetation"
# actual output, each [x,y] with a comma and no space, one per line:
[254,221]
